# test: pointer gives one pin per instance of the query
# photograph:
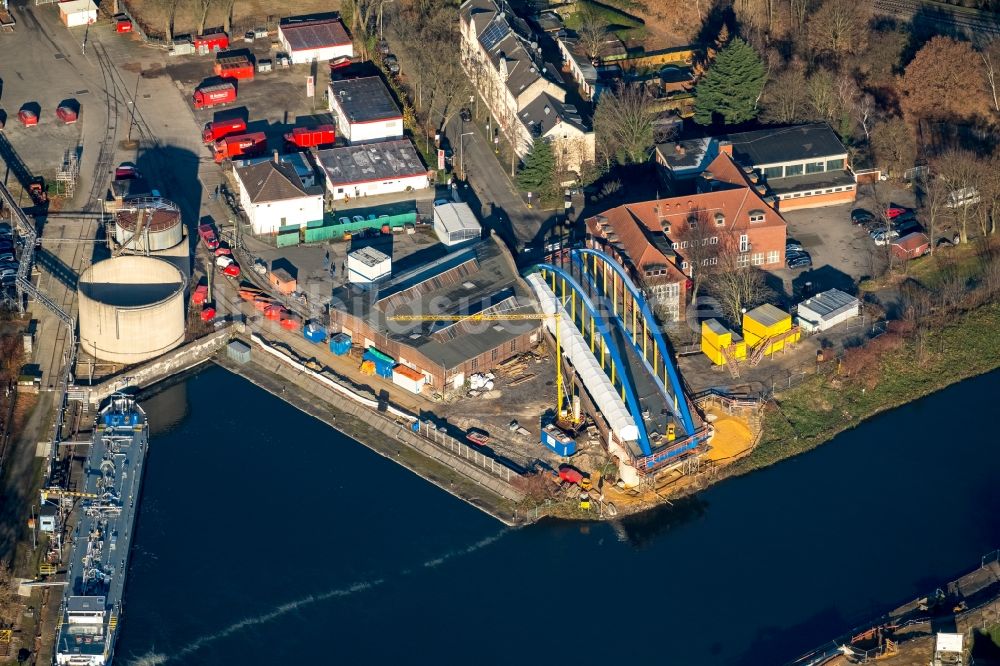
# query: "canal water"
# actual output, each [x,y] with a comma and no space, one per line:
[267,538]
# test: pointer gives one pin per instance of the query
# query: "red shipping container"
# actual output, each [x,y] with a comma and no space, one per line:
[234,67]
[911,246]
[311,137]
[220,93]
[215,41]
[247,145]
[220,128]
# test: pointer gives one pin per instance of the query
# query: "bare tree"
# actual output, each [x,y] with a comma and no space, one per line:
[697,240]
[990,55]
[623,124]
[169,9]
[785,98]
[737,285]
[201,9]
[227,15]
[839,27]
[860,104]
[934,199]
[893,146]
[10,608]
[592,36]
[989,193]
[798,10]
[960,171]
[821,88]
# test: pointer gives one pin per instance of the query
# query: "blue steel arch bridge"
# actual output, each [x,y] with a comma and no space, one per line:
[630,373]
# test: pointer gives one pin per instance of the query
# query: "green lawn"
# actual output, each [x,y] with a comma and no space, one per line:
[617,20]
[815,411]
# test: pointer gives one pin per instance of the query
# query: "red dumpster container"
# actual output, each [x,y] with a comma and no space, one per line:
[66,114]
[311,137]
[27,117]
[247,145]
[234,67]
[275,312]
[220,128]
[220,93]
[211,42]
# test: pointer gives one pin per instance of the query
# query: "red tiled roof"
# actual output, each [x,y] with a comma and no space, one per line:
[734,201]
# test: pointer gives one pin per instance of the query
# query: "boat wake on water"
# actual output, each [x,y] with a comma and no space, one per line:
[154,658]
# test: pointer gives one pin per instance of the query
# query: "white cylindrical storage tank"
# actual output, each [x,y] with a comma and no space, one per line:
[157,220]
[131,309]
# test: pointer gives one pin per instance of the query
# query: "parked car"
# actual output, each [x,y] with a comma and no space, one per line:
[798,261]
[907,227]
[383,47]
[465,114]
[345,220]
[862,216]
[223,260]
[792,245]
[884,237]
[893,211]
[6,257]
[391,64]
[358,218]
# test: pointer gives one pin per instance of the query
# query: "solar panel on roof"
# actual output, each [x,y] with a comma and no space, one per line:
[494,33]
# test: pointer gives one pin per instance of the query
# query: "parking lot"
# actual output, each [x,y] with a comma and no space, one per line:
[842,253]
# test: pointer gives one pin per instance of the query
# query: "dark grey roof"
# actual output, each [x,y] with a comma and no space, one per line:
[365,99]
[270,181]
[687,153]
[812,181]
[468,281]
[785,144]
[312,33]
[370,161]
[545,112]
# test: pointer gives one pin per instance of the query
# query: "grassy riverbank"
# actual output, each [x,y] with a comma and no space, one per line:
[829,403]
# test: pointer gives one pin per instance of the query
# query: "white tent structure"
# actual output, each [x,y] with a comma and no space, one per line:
[594,379]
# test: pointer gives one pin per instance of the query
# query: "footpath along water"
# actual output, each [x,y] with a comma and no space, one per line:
[265,537]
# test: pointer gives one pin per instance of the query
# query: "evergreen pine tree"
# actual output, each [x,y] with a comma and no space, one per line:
[731,86]
[538,173]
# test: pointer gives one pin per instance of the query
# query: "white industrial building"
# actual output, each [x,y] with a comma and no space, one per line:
[826,310]
[365,110]
[355,172]
[273,197]
[77,12]
[368,265]
[312,39]
[455,223]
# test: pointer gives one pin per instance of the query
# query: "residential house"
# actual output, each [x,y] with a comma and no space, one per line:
[510,76]
[664,242]
[273,196]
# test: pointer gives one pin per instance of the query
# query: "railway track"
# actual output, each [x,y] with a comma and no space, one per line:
[971,21]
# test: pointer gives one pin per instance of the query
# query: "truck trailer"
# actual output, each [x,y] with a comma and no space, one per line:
[312,137]
[221,128]
[240,145]
[235,67]
[214,95]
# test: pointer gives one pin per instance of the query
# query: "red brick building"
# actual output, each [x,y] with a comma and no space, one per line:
[662,243]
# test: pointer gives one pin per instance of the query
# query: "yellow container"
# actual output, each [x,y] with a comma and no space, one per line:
[768,325]
[715,337]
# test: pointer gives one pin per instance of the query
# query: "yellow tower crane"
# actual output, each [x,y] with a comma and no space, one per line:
[560,414]
[59,492]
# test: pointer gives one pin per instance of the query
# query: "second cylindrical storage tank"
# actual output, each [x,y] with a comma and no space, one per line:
[148,224]
[131,309]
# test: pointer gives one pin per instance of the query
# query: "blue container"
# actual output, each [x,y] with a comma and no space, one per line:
[340,344]
[558,441]
[383,363]
[314,333]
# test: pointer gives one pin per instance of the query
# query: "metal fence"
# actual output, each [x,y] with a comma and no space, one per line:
[431,433]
